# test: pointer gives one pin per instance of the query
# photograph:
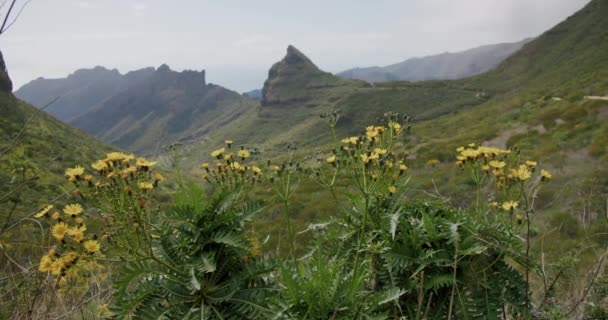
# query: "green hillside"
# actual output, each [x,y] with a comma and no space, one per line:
[568,60]
[533,101]
[166,107]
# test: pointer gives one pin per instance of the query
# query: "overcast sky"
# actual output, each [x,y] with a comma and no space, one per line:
[238,41]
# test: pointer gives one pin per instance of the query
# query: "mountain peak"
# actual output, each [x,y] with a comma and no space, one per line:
[5,81]
[295,70]
[295,58]
[164,68]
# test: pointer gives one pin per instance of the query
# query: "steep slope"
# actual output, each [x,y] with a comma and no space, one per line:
[6,85]
[166,107]
[294,95]
[297,92]
[570,57]
[80,91]
[443,66]
[35,149]
[295,80]
[534,101]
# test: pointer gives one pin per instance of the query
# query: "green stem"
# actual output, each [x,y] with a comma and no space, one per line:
[454,286]
[527,209]
[290,231]
[361,236]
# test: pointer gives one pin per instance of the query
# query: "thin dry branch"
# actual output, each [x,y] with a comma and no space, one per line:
[16,17]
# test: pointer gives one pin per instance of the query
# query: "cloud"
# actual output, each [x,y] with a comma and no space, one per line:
[140,9]
[253,40]
[369,36]
[84,4]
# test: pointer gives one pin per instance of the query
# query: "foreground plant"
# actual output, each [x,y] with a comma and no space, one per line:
[383,256]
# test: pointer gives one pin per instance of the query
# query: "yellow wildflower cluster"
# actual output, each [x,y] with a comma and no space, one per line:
[232,169]
[513,177]
[495,161]
[118,171]
[71,238]
[370,159]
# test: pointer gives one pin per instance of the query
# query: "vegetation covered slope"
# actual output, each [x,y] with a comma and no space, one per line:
[79,92]
[35,149]
[140,111]
[167,107]
[297,92]
[439,67]
[534,101]
[567,60]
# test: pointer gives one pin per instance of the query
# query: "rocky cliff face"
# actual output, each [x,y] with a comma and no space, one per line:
[81,91]
[297,80]
[6,85]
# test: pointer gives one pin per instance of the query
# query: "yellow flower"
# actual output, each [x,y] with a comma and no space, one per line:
[365,158]
[74,173]
[353,140]
[69,258]
[433,162]
[129,170]
[498,172]
[331,159]
[46,263]
[99,165]
[57,267]
[159,177]
[55,215]
[371,133]
[128,157]
[115,157]
[275,168]
[380,151]
[72,209]
[485,168]
[497,164]
[402,167]
[509,205]
[59,230]
[395,126]
[460,149]
[522,173]
[205,166]
[228,156]
[144,164]
[243,154]
[531,164]
[218,153]
[91,246]
[545,174]
[237,166]
[228,143]
[77,233]
[469,154]
[392,189]
[256,170]
[44,211]
[145,185]
[494,204]
[519,218]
